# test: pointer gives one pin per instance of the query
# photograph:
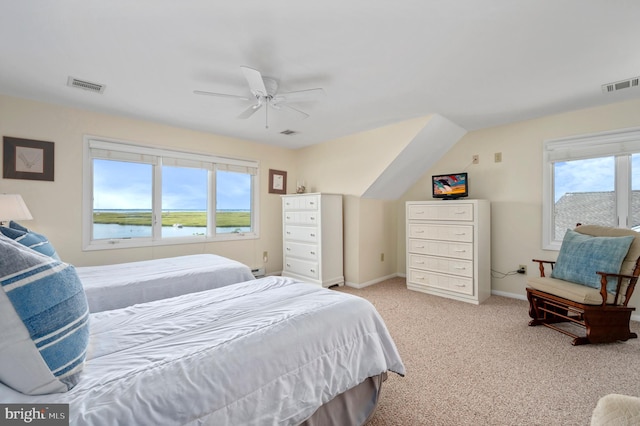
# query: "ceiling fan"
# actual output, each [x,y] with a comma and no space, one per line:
[265,93]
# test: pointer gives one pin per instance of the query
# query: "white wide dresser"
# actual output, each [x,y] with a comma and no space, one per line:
[312,238]
[449,249]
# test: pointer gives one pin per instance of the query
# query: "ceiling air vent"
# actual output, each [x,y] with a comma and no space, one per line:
[288,132]
[86,85]
[619,85]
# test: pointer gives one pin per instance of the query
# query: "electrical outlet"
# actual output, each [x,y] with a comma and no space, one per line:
[265,257]
[522,269]
[475,159]
[381,257]
[497,157]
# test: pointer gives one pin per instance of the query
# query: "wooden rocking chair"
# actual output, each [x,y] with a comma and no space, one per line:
[603,314]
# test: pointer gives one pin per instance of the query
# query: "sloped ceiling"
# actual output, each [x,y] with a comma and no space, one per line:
[431,143]
[476,63]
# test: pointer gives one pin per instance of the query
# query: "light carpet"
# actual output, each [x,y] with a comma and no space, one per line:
[483,365]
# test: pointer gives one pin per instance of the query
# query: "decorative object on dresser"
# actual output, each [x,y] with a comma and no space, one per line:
[448,249]
[312,238]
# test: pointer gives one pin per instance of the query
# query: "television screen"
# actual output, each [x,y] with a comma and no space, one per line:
[450,186]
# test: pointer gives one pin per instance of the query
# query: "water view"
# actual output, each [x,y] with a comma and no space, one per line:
[109,224]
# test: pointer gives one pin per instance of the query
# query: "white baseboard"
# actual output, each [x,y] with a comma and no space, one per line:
[372,282]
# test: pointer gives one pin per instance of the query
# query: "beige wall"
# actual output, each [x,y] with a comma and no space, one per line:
[514,186]
[346,165]
[349,166]
[56,206]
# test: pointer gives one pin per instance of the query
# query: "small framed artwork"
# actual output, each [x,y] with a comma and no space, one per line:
[277,182]
[27,159]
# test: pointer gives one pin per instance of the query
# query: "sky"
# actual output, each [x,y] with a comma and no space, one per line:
[591,175]
[123,185]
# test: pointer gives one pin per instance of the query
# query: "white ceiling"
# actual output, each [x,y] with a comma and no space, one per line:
[477,63]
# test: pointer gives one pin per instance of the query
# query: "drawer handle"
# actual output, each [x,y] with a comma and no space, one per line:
[288,249]
[460,212]
[288,265]
[288,217]
[421,278]
[461,285]
[312,252]
[420,231]
[460,268]
[419,246]
[312,203]
[460,233]
[288,232]
[420,212]
[460,251]
[420,262]
[313,235]
[312,270]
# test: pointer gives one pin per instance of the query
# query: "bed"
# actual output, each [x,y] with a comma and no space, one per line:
[268,351]
[124,284]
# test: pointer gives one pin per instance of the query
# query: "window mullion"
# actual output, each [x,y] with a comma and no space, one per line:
[157,201]
[623,190]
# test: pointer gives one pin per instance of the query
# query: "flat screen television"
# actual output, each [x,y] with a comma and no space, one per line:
[450,186]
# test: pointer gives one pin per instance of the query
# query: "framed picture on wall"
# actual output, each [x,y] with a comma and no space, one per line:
[277,182]
[27,159]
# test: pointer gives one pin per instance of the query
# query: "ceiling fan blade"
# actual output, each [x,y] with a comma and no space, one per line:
[256,83]
[249,111]
[301,114]
[300,96]
[221,95]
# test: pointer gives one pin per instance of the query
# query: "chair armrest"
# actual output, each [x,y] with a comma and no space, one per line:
[603,286]
[541,264]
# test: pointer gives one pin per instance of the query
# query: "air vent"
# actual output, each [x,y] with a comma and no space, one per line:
[288,132]
[85,85]
[619,85]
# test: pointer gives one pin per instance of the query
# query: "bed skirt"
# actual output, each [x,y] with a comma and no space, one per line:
[353,407]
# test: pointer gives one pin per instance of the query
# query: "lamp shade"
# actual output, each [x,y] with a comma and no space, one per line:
[12,207]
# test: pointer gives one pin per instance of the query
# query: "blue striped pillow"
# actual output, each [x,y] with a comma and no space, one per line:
[44,321]
[33,240]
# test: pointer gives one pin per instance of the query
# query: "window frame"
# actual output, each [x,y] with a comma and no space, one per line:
[620,144]
[210,161]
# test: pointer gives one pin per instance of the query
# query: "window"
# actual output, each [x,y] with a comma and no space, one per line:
[137,196]
[593,179]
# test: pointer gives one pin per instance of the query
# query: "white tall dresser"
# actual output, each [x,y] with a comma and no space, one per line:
[312,238]
[449,249]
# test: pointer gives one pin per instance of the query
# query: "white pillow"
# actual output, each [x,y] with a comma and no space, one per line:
[44,321]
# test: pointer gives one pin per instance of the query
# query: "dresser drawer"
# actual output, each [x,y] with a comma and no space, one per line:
[301,233]
[441,248]
[301,250]
[444,212]
[462,233]
[301,202]
[302,218]
[301,267]
[441,264]
[445,282]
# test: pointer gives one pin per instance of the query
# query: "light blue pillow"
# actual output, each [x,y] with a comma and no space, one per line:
[44,321]
[33,240]
[581,256]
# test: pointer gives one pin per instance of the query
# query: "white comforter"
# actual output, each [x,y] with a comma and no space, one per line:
[125,284]
[263,352]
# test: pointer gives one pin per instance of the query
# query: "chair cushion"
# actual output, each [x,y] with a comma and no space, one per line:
[581,256]
[44,321]
[33,240]
[629,262]
[576,292]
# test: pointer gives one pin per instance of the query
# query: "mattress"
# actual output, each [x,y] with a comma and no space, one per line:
[263,352]
[124,284]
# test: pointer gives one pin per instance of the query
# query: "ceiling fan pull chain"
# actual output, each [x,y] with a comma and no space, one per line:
[266,115]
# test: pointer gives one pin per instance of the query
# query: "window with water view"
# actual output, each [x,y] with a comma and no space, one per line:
[149,197]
